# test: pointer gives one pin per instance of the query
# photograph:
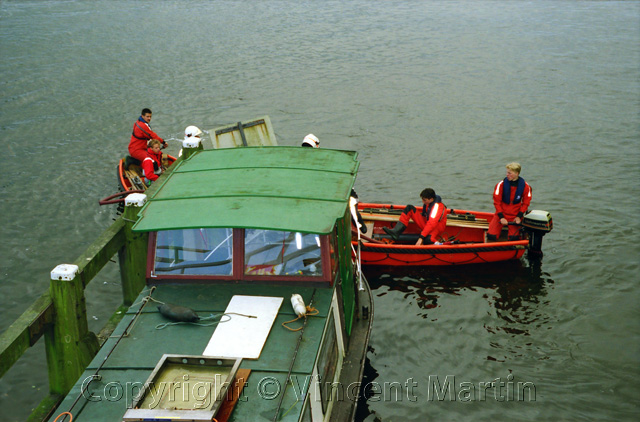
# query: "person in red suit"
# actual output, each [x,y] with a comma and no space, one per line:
[511,198]
[152,164]
[432,220]
[141,135]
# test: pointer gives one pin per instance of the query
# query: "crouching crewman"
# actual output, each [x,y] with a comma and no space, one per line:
[432,220]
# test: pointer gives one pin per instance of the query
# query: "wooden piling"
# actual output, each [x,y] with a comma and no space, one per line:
[133,256]
[190,147]
[70,345]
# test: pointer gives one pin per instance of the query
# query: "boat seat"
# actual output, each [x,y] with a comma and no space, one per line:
[369,225]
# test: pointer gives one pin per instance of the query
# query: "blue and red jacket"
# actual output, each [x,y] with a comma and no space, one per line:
[512,200]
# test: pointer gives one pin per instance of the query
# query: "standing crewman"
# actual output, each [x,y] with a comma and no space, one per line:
[511,198]
[432,220]
[141,135]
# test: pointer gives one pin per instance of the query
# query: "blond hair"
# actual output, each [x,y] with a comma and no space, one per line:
[514,167]
[153,142]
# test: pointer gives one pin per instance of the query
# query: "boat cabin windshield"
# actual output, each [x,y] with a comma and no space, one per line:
[194,252]
[270,252]
[210,252]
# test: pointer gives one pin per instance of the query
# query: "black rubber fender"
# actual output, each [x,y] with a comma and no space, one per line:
[178,313]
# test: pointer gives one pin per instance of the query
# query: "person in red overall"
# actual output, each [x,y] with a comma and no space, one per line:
[511,197]
[432,220]
[141,135]
[152,164]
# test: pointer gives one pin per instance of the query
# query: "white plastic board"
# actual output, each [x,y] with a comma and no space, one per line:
[244,337]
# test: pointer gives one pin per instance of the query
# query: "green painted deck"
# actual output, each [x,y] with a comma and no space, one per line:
[277,188]
[136,355]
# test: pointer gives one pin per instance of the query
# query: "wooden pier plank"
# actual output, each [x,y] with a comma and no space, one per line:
[96,256]
[25,331]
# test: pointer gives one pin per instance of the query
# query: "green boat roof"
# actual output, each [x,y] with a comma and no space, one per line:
[276,188]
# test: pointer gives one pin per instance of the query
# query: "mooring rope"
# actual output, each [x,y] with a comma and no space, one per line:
[311,311]
[209,318]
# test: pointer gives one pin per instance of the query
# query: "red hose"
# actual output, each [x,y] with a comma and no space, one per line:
[110,199]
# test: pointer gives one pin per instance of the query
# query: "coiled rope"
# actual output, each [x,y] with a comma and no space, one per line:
[310,311]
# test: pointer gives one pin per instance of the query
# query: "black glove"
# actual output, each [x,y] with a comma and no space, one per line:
[363,228]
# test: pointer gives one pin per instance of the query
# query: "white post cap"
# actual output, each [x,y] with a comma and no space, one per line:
[192,142]
[135,199]
[64,272]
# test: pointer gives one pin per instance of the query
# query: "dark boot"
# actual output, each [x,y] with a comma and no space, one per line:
[396,231]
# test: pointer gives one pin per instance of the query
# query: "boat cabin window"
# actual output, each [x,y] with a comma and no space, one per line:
[272,252]
[209,253]
[194,252]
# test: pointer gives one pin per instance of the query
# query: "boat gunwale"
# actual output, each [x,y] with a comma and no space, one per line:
[446,249]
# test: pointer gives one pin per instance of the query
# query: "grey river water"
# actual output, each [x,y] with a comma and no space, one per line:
[430,93]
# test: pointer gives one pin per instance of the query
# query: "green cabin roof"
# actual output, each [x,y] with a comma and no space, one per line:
[277,188]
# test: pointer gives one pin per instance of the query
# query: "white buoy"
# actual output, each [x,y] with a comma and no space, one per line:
[298,305]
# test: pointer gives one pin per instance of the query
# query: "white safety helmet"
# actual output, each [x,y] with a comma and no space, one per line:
[192,131]
[311,140]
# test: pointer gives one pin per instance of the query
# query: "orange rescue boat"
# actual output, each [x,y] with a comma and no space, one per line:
[463,241]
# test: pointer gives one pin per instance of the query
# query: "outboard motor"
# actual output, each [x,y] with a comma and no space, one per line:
[537,223]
